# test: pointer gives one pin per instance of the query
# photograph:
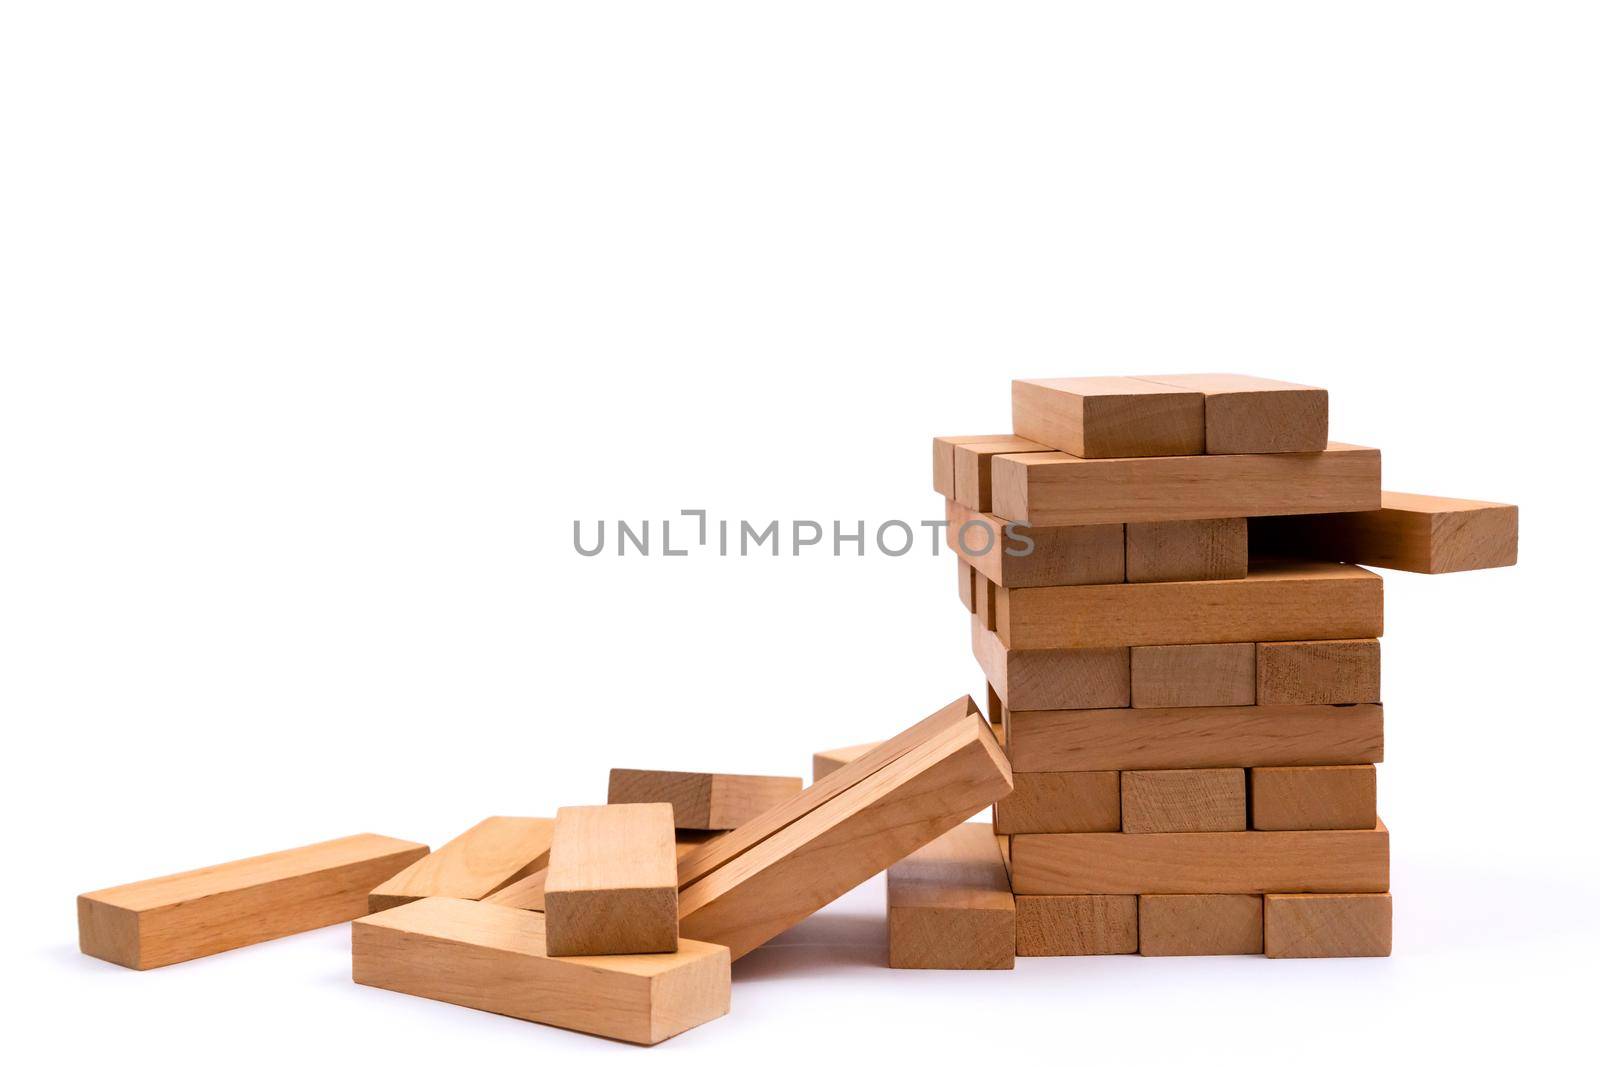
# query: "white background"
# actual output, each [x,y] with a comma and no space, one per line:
[321,323]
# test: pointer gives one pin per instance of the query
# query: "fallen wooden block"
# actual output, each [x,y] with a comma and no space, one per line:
[528,892]
[1061,802]
[198,913]
[1193,676]
[1191,550]
[612,881]
[973,461]
[1051,678]
[486,858]
[1317,672]
[1016,555]
[1209,924]
[825,763]
[493,958]
[944,459]
[702,801]
[1055,489]
[1257,415]
[950,905]
[1325,925]
[1187,801]
[1107,417]
[1314,798]
[1425,534]
[1077,925]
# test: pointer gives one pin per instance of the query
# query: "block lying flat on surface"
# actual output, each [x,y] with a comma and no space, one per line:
[1314,798]
[702,801]
[1211,924]
[1425,534]
[488,857]
[1077,925]
[825,763]
[1190,550]
[1255,415]
[1292,861]
[528,892]
[1325,925]
[973,464]
[1194,676]
[1317,672]
[1278,601]
[1187,801]
[1061,802]
[1104,417]
[612,882]
[1055,489]
[198,913]
[1044,679]
[493,958]
[944,459]
[1177,738]
[950,905]
[1015,555]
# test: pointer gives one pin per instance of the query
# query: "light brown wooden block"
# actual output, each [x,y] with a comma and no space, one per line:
[1325,925]
[1191,550]
[973,464]
[702,801]
[1314,798]
[493,958]
[1188,801]
[1015,555]
[984,594]
[1180,738]
[1105,417]
[1209,924]
[950,905]
[996,706]
[612,886]
[199,913]
[1293,861]
[1317,672]
[1061,802]
[1055,489]
[1041,679]
[825,763]
[528,892]
[1193,676]
[966,585]
[1425,534]
[1255,415]
[1077,925]
[1283,601]
[944,459]
[486,858]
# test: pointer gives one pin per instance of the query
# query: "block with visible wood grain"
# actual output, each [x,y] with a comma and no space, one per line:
[1077,925]
[1200,924]
[1324,925]
[1017,555]
[1189,550]
[1193,676]
[528,891]
[1186,801]
[1318,672]
[1246,415]
[702,801]
[496,959]
[1314,798]
[1408,532]
[1061,802]
[825,763]
[611,887]
[1109,417]
[950,905]
[181,917]
[973,463]
[944,458]
[1044,679]
[485,858]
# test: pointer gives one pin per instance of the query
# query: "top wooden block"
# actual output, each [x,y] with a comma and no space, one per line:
[1105,418]
[702,801]
[1246,415]
[1409,532]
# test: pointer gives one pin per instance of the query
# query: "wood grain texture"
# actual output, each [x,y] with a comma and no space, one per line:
[1015,555]
[197,913]
[612,881]
[944,459]
[1061,802]
[1107,417]
[1055,489]
[1318,672]
[1326,925]
[1043,679]
[1194,924]
[1077,925]
[973,464]
[1314,798]
[825,763]
[1257,415]
[528,892]
[1193,676]
[1279,601]
[1190,550]
[950,905]
[493,958]
[1424,534]
[485,858]
[1188,801]
[1293,861]
[702,801]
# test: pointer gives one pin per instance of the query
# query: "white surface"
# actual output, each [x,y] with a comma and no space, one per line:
[323,321]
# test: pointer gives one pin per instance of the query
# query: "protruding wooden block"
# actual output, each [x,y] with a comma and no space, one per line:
[1194,676]
[1317,672]
[1042,679]
[1191,550]
[1016,555]
[1077,925]
[950,905]
[1314,798]
[1109,417]
[1426,534]
[702,801]
[487,857]
[1190,924]
[984,595]
[972,463]
[493,958]
[825,763]
[528,892]
[198,913]
[612,886]
[1061,802]
[1189,801]
[1303,925]
[1257,415]
[966,585]
[944,459]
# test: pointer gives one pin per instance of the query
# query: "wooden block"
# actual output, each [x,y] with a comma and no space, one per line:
[966,585]
[199,913]
[1255,415]
[702,801]
[1425,534]
[1098,418]
[1284,601]
[486,858]
[996,706]
[1077,925]
[944,459]
[493,958]
[1016,555]
[612,886]
[1209,924]
[1193,676]
[984,594]
[973,464]
[1317,672]
[1325,925]
[1061,802]
[1314,798]
[1042,679]
[1293,861]
[950,905]
[1190,550]
[528,892]
[825,763]
[1055,489]
[1188,801]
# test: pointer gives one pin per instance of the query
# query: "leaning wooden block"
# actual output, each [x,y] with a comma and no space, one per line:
[1323,925]
[702,801]
[944,459]
[612,884]
[1255,415]
[198,913]
[950,905]
[493,958]
[1426,534]
[1109,417]
[825,763]
[1199,924]
[1017,555]
[1077,925]
[1042,679]
[1061,802]
[1191,550]
[1188,801]
[486,858]
[1317,672]
[1193,676]
[973,465]
[1314,798]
